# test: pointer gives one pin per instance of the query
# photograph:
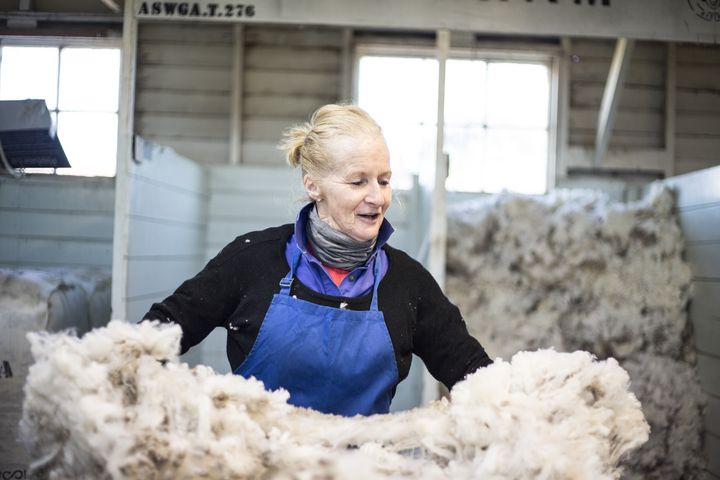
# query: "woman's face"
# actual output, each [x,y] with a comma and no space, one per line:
[355,195]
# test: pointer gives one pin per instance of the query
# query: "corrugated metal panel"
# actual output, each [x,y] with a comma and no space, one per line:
[698,204]
[640,120]
[167,227]
[59,221]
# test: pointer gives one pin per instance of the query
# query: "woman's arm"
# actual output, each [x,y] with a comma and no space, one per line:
[441,337]
[205,301]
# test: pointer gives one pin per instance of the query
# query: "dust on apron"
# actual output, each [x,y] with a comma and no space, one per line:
[330,359]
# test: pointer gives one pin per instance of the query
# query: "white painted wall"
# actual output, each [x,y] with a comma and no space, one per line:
[48,220]
[698,204]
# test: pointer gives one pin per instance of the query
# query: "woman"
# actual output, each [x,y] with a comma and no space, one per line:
[325,308]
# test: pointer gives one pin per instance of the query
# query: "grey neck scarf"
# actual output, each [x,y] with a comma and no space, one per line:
[333,247]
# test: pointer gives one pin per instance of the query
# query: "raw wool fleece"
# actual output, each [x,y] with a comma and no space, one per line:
[118,404]
[572,270]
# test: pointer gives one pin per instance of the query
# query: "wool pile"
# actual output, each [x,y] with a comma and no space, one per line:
[574,270]
[118,404]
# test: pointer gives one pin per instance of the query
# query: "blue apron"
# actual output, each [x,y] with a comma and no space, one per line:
[330,359]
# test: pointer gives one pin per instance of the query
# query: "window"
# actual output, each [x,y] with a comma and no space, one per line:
[496,119]
[80,86]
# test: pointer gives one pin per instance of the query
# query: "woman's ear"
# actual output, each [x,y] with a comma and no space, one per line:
[312,188]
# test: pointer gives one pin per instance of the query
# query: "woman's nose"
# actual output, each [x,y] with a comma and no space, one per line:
[374,195]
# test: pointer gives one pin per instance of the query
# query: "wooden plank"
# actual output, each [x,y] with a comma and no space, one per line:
[640,73]
[688,165]
[150,276]
[699,76]
[171,77]
[157,160]
[182,102]
[712,415]
[201,150]
[54,193]
[698,147]
[68,226]
[629,121]
[707,335]
[704,260]
[249,178]
[697,100]
[636,98]
[634,140]
[698,53]
[154,200]
[185,54]
[698,124]
[35,251]
[198,126]
[712,447]
[295,106]
[701,224]
[293,35]
[594,48]
[289,58]
[185,33]
[150,237]
[267,128]
[709,372]
[259,152]
[697,188]
[291,83]
[704,303]
[250,205]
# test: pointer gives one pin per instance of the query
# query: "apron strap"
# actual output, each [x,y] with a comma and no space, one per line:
[376,282]
[286,281]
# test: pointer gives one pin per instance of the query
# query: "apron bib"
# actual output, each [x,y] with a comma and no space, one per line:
[329,359]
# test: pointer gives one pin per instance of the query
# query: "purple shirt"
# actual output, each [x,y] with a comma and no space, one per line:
[311,272]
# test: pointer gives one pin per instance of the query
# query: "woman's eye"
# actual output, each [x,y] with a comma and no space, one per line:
[357,182]
[384,183]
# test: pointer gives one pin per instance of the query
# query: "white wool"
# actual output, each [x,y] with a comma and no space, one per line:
[573,270]
[118,404]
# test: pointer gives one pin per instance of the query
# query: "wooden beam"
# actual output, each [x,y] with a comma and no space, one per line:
[125,166]
[611,96]
[236,101]
[438,218]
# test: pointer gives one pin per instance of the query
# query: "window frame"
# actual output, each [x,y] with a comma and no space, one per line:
[549,56]
[60,43]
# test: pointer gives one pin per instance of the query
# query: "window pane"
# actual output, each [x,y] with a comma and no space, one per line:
[89,141]
[465,93]
[400,93]
[29,72]
[468,169]
[518,95]
[89,79]
[516,161]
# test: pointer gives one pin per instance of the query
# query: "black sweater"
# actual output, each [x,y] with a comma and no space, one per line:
[235,289]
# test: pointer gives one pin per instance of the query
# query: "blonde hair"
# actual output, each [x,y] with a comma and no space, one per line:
[307,145]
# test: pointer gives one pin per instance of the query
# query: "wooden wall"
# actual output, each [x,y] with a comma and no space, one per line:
[698,204]
[288,73]
[185,85]
[56,221]
[698,108]
[166,225]
[640,120]
[183,88]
